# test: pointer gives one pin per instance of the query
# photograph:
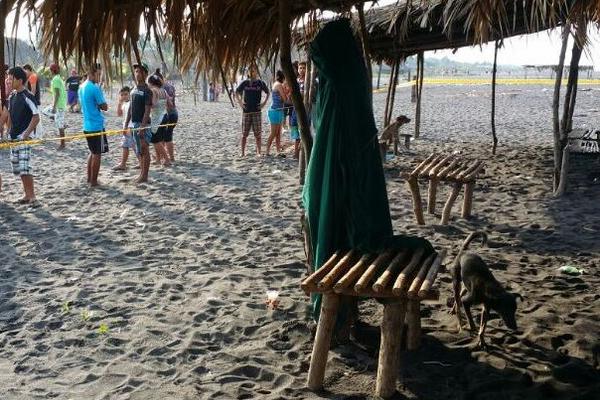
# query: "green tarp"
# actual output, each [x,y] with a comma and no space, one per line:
[344,194]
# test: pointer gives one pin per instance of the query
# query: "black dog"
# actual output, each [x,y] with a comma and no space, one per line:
[480,287]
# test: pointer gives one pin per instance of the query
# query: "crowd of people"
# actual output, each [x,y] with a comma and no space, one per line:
[148,110]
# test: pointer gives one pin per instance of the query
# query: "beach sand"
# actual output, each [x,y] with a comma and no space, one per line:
[157,291]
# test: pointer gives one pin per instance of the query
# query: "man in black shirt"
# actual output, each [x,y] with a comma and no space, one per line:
[72,83]
[139,116]
[249,95]
[23,117]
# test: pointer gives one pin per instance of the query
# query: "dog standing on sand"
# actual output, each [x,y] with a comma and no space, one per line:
[390,133]
[480,287]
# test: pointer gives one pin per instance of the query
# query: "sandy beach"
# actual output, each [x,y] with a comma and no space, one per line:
[157,291]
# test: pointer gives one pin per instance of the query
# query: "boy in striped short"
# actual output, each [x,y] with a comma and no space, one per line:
[23,118]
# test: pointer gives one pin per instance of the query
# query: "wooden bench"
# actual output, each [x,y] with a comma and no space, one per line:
[400,278]
[438,168]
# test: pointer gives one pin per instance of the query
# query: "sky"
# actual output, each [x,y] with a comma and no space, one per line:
[536,49]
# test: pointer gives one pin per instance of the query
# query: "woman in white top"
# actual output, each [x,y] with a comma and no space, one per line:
[158,113]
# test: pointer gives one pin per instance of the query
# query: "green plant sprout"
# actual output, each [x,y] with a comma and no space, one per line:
[66,308]
[86,315]
[103,329]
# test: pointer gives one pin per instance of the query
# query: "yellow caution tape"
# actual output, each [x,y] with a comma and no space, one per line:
[77,136]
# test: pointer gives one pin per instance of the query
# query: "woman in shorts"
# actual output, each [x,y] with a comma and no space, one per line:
[158,116]
[276,114]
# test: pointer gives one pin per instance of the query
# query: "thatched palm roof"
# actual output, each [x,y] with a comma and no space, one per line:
[402,30]
[234,32]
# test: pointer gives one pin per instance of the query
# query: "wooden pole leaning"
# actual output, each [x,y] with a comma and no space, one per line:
[432,274]
[413,185]
[403,277]
[310,283]
[386,276]
[468,200]
[366,277]
[350,277]
[389,349]
[340,268]
[449,203]
[318,360]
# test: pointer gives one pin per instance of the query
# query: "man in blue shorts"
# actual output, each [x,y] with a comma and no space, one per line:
[92,104]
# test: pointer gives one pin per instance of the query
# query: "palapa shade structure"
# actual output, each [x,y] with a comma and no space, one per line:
[225,34]
[236,32]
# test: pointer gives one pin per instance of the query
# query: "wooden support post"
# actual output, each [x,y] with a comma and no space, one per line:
[449,203]
[386,122]
[393,98]
[318,360]
[285,33]
[364,38]
[413,186]
[413,324]
[431,195]
[421,61]
[556,105]
[468,200]
[494,69]
[389,349]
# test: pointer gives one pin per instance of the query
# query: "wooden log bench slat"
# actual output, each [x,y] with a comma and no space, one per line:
[402,277]
[438,168]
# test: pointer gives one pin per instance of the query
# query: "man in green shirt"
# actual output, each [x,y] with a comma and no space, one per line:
[59,104]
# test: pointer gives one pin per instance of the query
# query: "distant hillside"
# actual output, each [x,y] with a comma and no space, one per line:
[25,53]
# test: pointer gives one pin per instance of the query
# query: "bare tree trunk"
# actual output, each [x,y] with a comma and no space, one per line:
[567,119]
[421,63]
[571,96]
[226,85]
[307,84]
[379,75]
[393,96]
[365,44]
[555,107]
[285,20]
[494,70]
[388,98]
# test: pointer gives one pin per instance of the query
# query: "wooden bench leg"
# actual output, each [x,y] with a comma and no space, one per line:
[431,195]
[450,203]
[389,350]
[413,186]
[413,322]
[318,360]
[468,200]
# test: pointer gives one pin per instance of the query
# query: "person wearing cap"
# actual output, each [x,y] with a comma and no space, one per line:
[72,82]
[32,83]
[139,117]
[59,103]
[92,105]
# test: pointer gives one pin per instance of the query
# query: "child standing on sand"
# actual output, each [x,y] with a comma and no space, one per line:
[127,142]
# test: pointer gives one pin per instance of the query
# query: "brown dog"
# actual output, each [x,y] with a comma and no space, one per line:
[390,133]
[480,287]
